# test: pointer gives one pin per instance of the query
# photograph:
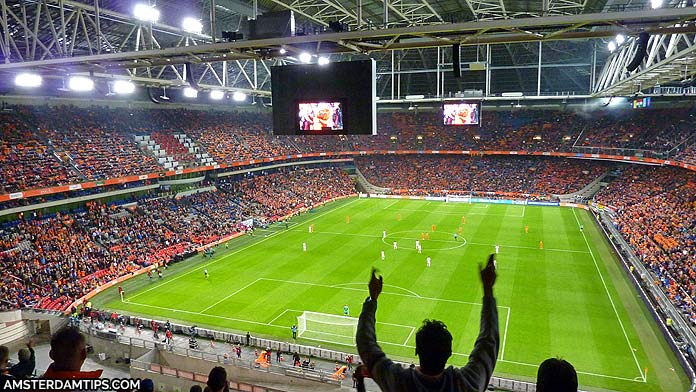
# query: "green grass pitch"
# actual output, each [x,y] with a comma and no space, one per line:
[571,299]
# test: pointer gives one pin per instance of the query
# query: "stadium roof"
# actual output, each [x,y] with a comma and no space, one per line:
[539,48]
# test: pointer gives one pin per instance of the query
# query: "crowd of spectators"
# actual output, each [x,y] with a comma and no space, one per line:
[655,209]
[45,146]
[49,261]
[465,174]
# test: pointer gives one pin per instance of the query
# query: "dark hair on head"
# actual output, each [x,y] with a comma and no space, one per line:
[217,379]
[67,343]
[196,388]
[433,346]
[556,375]
[4,354]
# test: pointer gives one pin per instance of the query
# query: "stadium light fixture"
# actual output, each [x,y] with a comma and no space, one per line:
[282,51]
[655,4]
[190,92]
[415,96]
[620,39]
[80,83]
[146,13]
[192,25]
[611,46]
[323,60]
[217,94]
[239,96]
[123,87]
[26,79]
[305,57]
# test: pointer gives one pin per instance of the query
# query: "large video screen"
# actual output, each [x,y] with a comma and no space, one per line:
[337,98]
[461,113]
[320,116]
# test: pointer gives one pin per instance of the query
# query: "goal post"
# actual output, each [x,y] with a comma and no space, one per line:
[326,327]
[458,199]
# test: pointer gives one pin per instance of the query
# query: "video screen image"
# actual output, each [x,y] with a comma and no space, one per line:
[318,116]
[460,114]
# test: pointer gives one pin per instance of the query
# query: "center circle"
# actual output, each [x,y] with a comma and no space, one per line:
[394,236]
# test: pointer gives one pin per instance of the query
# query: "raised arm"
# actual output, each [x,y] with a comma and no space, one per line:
[381,369]
[478,371]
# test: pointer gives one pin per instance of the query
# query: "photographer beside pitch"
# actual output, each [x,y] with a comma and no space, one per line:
[433,347]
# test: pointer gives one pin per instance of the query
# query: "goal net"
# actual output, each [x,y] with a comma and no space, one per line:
[328,328]
[457,199]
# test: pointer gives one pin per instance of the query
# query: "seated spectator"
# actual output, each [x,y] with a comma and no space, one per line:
[68,352]
[433,347]
[27,362]
[556,375]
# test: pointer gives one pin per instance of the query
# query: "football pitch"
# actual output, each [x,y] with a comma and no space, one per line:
[570,299]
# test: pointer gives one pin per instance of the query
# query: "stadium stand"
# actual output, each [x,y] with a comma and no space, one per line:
[50,261]
[654,212]
[432,174]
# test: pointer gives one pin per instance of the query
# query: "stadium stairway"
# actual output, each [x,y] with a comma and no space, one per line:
[587,192]
[367,186]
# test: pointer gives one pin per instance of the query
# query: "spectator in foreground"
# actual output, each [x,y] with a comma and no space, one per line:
[27,362]
[433,347]
[68,352]
[217,380]
[4,359]
[556,375]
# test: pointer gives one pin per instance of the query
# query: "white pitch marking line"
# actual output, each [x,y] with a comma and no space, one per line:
[578,371]
[413,329]
[391,204]
[167,281]
[278,316]
[362,290]
[524,207]
[230,295]
[386,285]
[601,277]
[507,320]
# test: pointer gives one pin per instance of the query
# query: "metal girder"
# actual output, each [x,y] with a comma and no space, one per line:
[413,12]
[321,11]
[496,31]
[668,57]
[496,9]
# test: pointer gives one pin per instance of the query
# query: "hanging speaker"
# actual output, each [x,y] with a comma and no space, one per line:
[643,39]
[456,64]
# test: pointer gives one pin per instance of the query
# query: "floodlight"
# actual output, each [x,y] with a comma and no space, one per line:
[656,3]
[620,39]
[192,25]
[146,13]
[217,95]
[123,87]
[80,83]
[611,46]
[190,92]
[28,80]
[305,57]
[323,61]
[239,96]
[282,51]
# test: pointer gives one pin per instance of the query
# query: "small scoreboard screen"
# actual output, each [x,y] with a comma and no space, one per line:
[320,116]
[463,113]
[641,103]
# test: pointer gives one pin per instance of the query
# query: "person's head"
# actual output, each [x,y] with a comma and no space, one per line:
[433,346]
[147,385]
[4,356]
[217,379]
[196,388]
[23,354]
[556,375]
[68,349]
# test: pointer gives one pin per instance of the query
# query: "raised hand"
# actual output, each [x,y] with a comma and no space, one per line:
[375,284]
[488,275]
